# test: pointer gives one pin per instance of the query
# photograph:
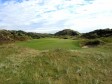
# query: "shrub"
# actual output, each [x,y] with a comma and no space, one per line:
[94,42]
[107,39]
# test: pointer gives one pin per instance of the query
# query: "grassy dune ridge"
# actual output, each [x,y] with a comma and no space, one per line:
[23,63]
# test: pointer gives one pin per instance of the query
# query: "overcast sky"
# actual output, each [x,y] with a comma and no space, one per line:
[49,16]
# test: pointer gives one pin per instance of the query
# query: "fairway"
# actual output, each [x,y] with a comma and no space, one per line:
[50,43]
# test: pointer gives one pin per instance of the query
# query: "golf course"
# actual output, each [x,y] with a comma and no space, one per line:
[51,43]
[55,41]
[55,61]
[66,57]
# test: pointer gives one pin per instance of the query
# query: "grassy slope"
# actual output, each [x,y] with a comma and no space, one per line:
[50,43]
[20,65]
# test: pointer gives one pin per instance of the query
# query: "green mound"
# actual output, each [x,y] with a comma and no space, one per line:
[68,32]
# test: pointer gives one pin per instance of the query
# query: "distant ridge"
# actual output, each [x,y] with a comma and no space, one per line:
[98,33]
[67,32]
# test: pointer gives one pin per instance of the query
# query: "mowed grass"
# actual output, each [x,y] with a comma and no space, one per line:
[51,43]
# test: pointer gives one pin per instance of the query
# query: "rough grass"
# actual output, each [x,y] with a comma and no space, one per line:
[20,65]
[51,43]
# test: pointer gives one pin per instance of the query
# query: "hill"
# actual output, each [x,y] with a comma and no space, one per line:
[98,33]
[68,32]
[8,36]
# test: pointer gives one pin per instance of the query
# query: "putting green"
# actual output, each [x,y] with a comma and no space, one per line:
[50,43]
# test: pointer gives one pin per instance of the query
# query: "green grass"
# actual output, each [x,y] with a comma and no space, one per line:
[51,43]
[22,65]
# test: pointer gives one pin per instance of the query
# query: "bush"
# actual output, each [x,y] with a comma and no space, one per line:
[94,42]
[107,39]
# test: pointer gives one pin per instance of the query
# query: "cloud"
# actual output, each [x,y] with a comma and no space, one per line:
[53,15]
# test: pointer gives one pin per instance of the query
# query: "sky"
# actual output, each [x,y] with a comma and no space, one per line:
[50,16]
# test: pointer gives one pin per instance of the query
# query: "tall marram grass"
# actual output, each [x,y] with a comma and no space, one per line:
[19,65]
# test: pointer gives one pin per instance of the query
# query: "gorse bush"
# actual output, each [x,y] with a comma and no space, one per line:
[94,42]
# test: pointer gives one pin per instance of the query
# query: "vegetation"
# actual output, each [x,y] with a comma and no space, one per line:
[98,34]
[7,36]
[92,42]
[20,65]
[51,43]
[39,35]
[46,60]
[68,32]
